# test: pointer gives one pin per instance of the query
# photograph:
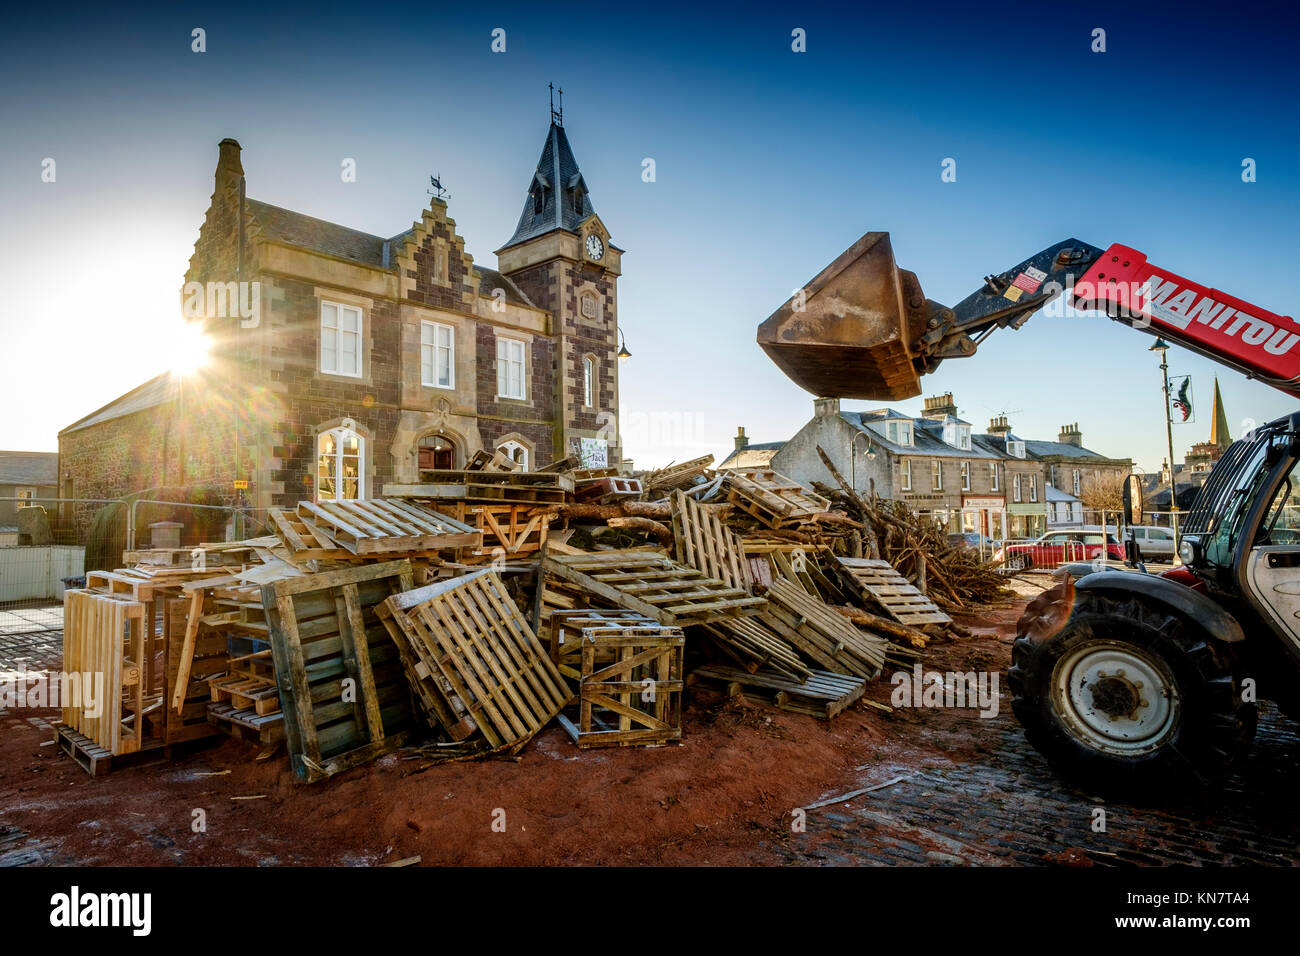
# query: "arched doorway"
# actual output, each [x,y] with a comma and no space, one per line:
[435,452]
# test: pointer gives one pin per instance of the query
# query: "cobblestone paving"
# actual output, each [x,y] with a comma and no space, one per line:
[31,638]
[1009,809]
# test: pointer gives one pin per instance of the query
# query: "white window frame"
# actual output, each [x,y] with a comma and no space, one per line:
[337,329]
[1033,488]
[1016,488]
[891,431]
[936,475]
[905,437]
[993,476]
[505,364]
[965,476]
[907,474]
[1078,481]
[25,496]
[508,448]
[340,432]
[589,381]
[1016,448]
[429,354]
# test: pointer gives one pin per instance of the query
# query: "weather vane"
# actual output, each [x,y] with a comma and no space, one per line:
[437,190]
[557,115]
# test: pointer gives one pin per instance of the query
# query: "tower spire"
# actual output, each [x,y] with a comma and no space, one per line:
[1219,427]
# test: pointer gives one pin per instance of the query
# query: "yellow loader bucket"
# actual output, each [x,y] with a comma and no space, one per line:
[849,332]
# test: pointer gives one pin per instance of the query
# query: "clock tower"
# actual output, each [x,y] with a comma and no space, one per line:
[560,256]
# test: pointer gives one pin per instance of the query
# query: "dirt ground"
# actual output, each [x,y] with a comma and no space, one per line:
[724,795]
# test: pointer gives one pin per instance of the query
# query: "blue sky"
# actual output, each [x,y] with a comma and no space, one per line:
[769,163]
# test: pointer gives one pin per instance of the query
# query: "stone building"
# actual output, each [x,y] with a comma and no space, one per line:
[995,482]
[342,361]
[24,477]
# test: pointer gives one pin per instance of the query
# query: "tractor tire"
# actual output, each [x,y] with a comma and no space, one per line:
[1123,696]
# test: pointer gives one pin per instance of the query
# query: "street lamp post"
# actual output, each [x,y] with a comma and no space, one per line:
[1162,347]
[853,457]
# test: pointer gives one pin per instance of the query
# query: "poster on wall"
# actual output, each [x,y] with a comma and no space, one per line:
[593,453]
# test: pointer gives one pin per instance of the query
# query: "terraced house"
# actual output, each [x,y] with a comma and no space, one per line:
[994,482]
[354,360]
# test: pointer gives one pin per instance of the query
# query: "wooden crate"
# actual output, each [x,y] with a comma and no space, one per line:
[880,582]
[344,697]
[630,686]
[564,627]
[473,660]
[652,584]
[704,543]
[772,498]
[822,694]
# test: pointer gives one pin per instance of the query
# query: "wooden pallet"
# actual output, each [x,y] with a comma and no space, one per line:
[264,730]
[249,685]
[704,543]
[303,540]
[344,696]
[521,487]
[473,660]
[898,596]
[824,636]
[97,760]
[202,658]
[772,498]
[654,585]
[104,642]
[508,531]
[607,489]
[677,476]
[823,694]
[635,699]
[378,527]
[492,461]
[753,644]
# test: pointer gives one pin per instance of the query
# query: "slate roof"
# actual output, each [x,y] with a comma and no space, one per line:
[318,235]
[1048,449]
[308,232]
[763,452]
[1056,494]
[556,174]
[156,391]
[490,279]
[926,443]
[29,468]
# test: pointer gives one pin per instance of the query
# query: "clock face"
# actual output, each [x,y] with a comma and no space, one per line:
[595,248]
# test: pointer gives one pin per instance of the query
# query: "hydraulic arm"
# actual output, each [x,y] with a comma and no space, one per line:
[863,329]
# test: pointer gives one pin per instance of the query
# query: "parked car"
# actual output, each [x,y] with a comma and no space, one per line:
[1153,542]
[1059,547]
[972,539]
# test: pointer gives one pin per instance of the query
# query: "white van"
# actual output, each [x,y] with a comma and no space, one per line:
[1153,542]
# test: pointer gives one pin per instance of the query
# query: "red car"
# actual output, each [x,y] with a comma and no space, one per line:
[1059,547]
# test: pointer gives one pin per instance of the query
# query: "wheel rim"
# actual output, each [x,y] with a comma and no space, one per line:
[1117,698]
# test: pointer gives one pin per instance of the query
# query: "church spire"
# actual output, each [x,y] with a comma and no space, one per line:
[1219,427]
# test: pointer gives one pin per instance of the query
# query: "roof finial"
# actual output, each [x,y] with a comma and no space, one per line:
[557,115]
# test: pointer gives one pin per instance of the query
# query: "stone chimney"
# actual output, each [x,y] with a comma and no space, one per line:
[741,439]
[1070,435]
[939,406]
[229,169]
[826,407]
[999,427]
